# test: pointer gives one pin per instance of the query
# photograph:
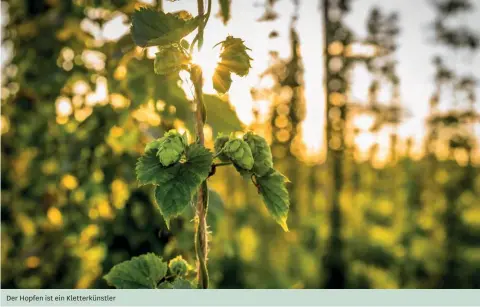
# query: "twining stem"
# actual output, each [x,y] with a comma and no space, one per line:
[160,5]
[201,236]
[222,164]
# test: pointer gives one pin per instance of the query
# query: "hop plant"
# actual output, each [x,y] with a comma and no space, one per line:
[233,59]
[177,185]
[170,59]
[234,56]
[170,147]
[222,79]
[220,142]
[156,28]
[240,153]
[262,155]
[178,266]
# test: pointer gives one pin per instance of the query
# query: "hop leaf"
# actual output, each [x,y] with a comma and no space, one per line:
[220,142]
[240,153]
[234,56]
[171,148]
[170,59]
[274,192]
[178,266]
[150,171]
[143,272]
[224,12]
[262,155]
[156,28]
[178,184]
[222,79]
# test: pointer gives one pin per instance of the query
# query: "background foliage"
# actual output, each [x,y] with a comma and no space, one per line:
[77,111]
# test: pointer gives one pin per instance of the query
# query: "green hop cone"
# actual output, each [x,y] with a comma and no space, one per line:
[171,148]
[262,155]
[222,79]
[234,56]
[170,59]
[154,144]
[220,142]
[178,266]
[240,153]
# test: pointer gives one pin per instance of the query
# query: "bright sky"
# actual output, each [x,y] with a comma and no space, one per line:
[414,55]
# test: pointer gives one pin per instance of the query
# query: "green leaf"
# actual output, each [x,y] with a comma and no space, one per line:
[174,194]
[262,154]
[142,272]
[165,285]
[156,28]
[221,116]
[221,79]
[220,142]
[224,12]
[274,192]
[150,171]
[170,59]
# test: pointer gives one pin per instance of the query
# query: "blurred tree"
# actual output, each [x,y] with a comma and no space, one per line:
[453,127]
[337,38]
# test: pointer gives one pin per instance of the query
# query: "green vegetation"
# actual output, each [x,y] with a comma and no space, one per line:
[112,155]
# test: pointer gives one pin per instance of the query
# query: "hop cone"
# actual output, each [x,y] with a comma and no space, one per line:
[171,147]
[178,266]
[220,141]
[222,79]
[170,59]
[234,56]
[262,155]
[240,153]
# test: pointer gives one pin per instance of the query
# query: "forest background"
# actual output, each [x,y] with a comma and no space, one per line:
[370,107]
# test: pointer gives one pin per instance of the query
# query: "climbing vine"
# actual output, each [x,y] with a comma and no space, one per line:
[178,168]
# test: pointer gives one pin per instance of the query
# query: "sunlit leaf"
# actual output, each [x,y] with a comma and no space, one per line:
[274,192]
[221,116]
[156,28]
[221,79]
[234,56]
[170,59]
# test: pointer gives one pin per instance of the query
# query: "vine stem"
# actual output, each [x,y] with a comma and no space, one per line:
[201,235]
[222,164]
